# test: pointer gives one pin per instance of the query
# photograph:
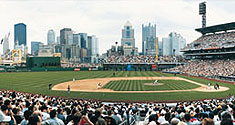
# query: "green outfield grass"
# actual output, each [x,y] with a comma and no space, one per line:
[138,85]
[37,82]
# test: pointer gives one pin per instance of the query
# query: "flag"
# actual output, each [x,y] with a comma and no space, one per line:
[1,41]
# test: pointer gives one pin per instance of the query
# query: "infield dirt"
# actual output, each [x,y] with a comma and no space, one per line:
[90,85]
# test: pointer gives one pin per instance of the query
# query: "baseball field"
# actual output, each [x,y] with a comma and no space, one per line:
[124,86]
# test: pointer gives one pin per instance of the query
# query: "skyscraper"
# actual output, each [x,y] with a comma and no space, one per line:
[77,39]
[128,35]
[66,36]
[149,39]
[84,40]
[173,44]
[35,47]
[89,47]
[92,46]
[20,34]
[50,37]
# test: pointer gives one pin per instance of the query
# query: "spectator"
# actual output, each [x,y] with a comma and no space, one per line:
[27,114]
[34,120]
[207,121]
[109,119]
[115,117]
[60,114]
[53,119]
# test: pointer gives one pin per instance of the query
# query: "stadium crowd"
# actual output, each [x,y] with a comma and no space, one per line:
[129,59]
[207,68]
[171,59]
[67,65]
[141,59]
[34,109]
[213,40]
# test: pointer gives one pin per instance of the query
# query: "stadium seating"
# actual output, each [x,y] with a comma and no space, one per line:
[207,68]
[225,39]
[25,108]
[140,59]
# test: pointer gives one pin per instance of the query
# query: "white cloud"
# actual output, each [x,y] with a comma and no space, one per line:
[105,18]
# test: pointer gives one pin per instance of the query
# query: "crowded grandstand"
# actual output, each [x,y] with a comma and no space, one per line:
[212,54]
[33,109]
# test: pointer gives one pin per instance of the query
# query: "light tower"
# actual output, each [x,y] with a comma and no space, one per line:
[202,11]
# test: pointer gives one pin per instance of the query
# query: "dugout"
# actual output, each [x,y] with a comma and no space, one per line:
[129,67]
[42,62]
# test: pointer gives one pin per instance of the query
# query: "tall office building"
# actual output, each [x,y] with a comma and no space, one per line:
[66,36]
[128,35]
[178,43]
[173,44]
[166,46]
[160,46]
[35,47]
[50,37]
[149,39]
[94,47]
[20,33]
[89,47]
[77,39]
[84,40]
[92,50]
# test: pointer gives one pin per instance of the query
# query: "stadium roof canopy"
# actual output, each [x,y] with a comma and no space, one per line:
[217,28]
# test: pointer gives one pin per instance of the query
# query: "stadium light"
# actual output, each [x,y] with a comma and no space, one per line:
[202,11]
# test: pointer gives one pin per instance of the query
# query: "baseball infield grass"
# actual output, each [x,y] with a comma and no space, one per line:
[140,85]
[37,82]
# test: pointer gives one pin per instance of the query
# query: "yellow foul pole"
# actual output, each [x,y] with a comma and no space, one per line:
[156,49]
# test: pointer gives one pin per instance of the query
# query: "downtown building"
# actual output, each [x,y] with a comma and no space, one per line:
[35,48]
[128,35]
[50,37]
[128,40]
[149,39]
[77,47]
[20,34]
[172,44]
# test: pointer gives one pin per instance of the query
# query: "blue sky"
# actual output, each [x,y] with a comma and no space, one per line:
[106,18]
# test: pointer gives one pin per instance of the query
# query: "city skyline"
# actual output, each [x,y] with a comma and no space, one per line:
[106,22]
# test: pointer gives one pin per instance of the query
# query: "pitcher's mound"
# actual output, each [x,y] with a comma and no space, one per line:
[152,84]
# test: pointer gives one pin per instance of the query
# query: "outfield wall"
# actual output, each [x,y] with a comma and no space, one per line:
[129,67]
